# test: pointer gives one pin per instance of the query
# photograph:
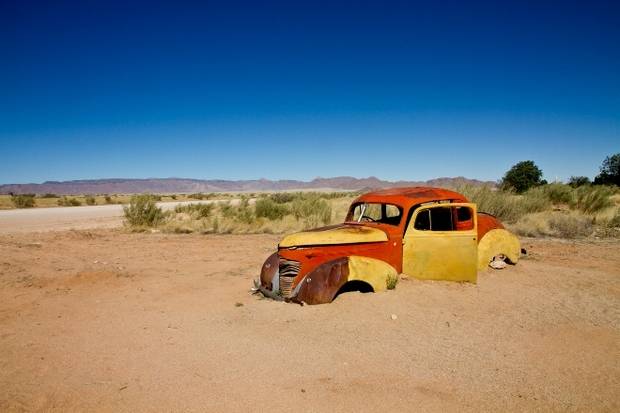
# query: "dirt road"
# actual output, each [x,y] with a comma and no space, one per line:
[65,218]
[110,321]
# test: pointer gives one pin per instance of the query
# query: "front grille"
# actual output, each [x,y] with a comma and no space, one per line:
[288,271]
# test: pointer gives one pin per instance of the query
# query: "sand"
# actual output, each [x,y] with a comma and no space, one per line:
[104,320]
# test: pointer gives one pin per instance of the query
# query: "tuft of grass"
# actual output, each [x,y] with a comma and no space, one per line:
[142,211]
[23,200]
[391,281]
[592,199]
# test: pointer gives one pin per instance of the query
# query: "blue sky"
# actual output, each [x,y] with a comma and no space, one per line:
[291,90]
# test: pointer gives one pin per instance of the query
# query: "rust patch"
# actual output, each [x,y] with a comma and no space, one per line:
[269,270]
[322,284]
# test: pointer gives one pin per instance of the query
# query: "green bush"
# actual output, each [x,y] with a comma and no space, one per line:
[143,211]
[282,197]
[67,201]
[267,208]
[23,200]
[522,176]
[90,200]
[577,181]
[591,199]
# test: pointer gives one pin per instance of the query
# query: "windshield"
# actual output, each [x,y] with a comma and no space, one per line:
[375,212]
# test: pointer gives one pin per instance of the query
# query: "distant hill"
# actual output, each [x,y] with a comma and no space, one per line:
[182,185]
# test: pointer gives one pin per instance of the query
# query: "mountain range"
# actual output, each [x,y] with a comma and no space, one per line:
[184,185]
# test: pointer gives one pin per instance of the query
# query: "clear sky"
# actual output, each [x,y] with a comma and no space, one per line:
[285,90]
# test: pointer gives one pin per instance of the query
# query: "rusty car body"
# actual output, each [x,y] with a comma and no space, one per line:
[426,233]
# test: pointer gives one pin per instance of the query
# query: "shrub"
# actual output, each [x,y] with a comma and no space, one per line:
[197,210]
[67,201]
[173,197]
[267,208]
[558,193]
[23,200]
[48,195]
[142,211]
[199,196]
[282,197]
[108,199]
[243,212]
[591,199]
[90,200]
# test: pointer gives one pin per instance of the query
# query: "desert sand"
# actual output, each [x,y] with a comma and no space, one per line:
[105,320]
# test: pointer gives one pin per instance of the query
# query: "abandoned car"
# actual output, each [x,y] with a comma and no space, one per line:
[426,233]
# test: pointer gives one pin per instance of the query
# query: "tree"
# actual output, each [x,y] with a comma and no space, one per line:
[610,171]
[522,176]
[577,181]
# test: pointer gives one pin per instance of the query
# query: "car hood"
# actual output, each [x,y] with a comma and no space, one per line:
[335,235]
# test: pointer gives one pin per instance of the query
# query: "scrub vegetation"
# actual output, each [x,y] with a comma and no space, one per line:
[556,209]
[262,213]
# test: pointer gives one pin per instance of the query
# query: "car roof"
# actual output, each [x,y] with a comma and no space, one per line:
[409,196]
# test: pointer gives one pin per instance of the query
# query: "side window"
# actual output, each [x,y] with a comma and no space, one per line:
[423,221]
[444,219]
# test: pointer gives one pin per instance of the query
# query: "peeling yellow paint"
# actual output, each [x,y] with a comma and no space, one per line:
[496,242]
[373,271]
[345,234]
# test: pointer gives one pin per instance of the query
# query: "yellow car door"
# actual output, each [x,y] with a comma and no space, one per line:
[440,243]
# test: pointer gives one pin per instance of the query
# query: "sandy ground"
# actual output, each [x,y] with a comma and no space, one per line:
[112,321]
[67,218]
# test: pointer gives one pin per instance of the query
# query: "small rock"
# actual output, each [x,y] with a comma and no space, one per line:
[394,316]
